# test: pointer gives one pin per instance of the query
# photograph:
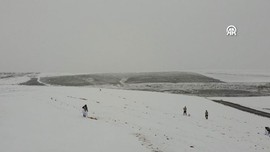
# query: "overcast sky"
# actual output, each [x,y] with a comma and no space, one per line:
[131,36]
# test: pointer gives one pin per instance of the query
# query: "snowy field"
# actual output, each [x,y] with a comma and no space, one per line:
[13,78]
[47,118]
[240,76]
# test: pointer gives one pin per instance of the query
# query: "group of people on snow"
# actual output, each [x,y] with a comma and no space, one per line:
[185,112]
[85,111]
[85,114]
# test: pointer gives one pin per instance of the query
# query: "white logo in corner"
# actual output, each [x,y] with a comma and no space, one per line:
[231,30]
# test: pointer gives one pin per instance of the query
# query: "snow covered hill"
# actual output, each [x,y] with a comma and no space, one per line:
[47,118]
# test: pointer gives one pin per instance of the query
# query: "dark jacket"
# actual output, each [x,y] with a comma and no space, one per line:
[85,108]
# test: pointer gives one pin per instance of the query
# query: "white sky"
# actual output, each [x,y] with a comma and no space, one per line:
[132,36]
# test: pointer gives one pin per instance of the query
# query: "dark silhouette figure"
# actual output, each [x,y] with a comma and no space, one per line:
[85,108]
[85,111]
[206,114]
[267,130]
[185,110]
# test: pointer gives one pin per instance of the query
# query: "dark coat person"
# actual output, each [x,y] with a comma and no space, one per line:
[85,111]
[206,114]
[185,110]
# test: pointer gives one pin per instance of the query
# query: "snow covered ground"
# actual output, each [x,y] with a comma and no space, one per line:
[258,103]
[14,80]
[47,118]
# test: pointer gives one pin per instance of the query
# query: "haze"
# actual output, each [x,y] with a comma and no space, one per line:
[131,36]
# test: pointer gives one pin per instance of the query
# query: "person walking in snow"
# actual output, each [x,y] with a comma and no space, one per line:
[85,111]
[206,114]
[185,110]
[267,130]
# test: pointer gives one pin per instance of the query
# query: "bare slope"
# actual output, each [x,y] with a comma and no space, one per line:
[170,77]
[129,78]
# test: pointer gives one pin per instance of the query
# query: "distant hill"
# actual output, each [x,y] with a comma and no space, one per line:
[128,78]
[170,77]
